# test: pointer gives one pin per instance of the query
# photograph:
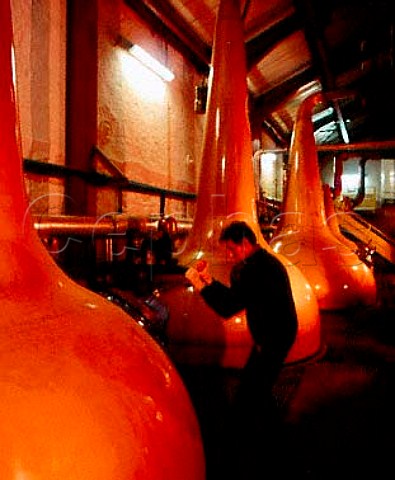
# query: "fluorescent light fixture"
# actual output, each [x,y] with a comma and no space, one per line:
[323,114]
[268,157]
[151,63]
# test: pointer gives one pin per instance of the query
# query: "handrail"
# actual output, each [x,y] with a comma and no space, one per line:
[101,179]
[368,226]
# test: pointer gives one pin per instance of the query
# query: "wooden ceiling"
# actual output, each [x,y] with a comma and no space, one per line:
[296,47]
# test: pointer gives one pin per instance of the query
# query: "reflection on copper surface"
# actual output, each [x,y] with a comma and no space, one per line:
[333,219]
[226,193]
[340,279]
[85,393]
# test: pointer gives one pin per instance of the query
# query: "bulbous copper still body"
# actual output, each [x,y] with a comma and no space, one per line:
[340,279]
[227,192]
[85,393]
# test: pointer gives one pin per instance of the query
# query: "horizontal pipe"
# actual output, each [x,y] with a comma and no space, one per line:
[382,146]
[359,147]
[183,225]
[47,225]
[74,225]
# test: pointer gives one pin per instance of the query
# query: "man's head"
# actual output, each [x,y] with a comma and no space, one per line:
[240,240]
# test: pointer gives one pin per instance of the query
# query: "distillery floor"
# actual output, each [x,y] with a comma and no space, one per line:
[338,409]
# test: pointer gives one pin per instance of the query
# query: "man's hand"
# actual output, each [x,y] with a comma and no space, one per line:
[199,275]
[205,275]
[194,277]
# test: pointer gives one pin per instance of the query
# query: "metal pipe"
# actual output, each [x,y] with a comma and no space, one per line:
[381,146]
[84,226]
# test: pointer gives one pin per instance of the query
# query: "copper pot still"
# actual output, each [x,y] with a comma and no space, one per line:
[226,192]
[85,393]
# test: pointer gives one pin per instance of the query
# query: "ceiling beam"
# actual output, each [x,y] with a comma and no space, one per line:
[259,46]
[315,40]
[271,99]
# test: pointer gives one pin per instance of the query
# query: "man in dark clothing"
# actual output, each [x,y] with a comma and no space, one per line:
[259,283]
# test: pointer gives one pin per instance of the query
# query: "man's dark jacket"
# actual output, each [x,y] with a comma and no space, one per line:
[260,285]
